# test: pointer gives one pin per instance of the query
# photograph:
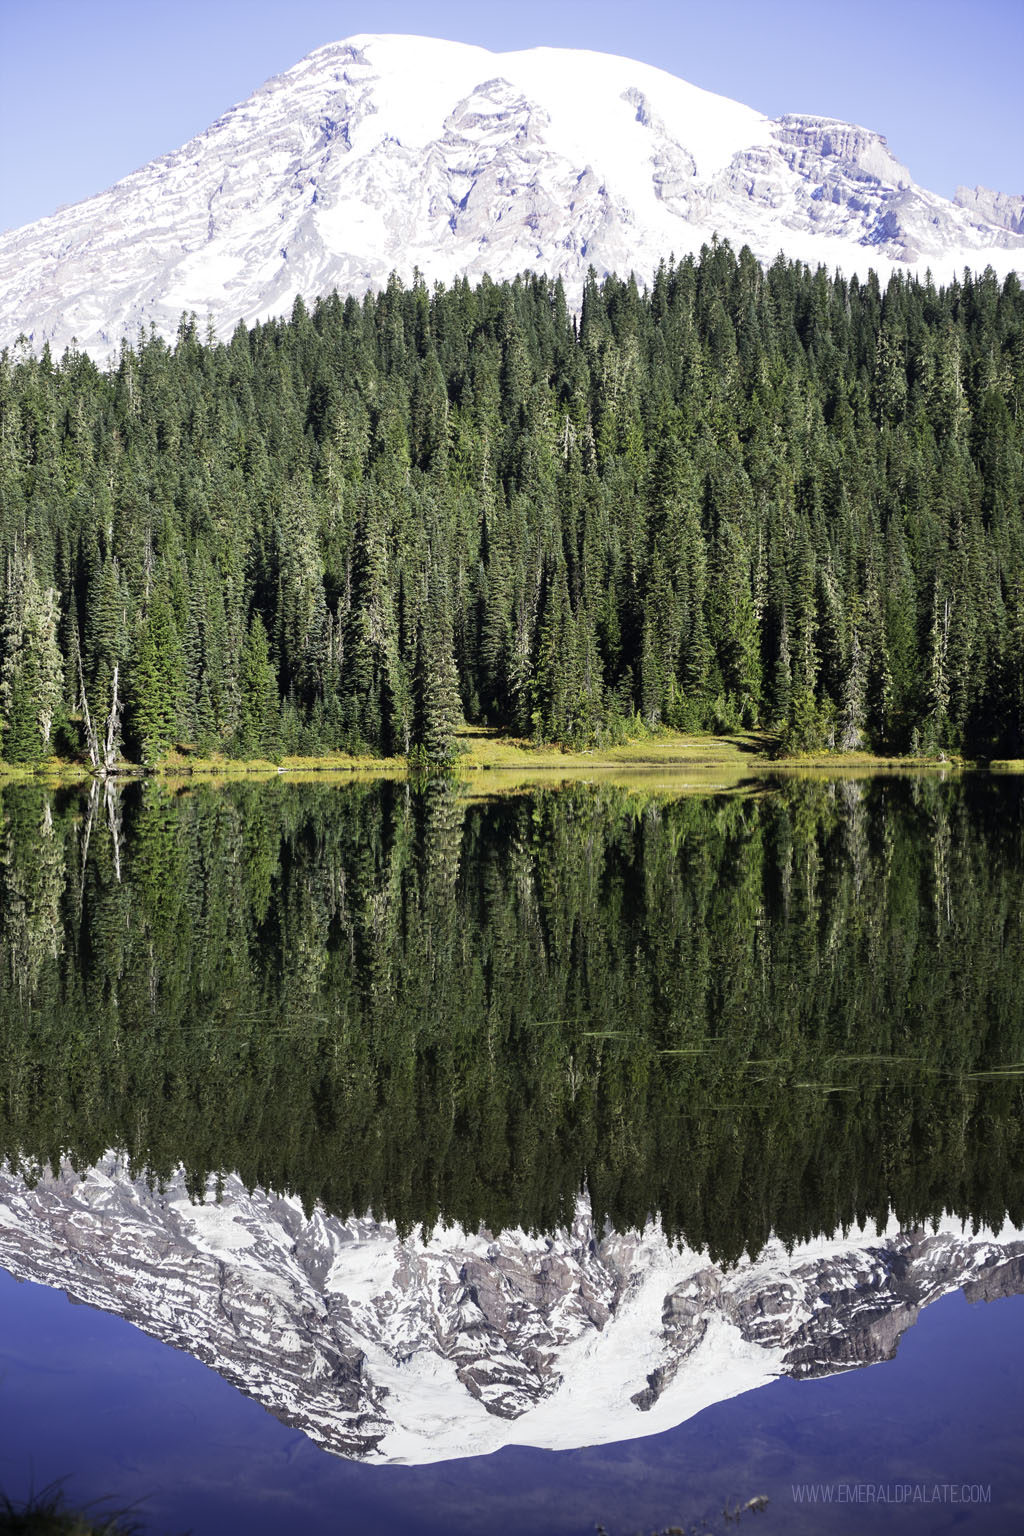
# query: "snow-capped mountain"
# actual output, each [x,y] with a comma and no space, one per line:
[397,1349]
[389,153]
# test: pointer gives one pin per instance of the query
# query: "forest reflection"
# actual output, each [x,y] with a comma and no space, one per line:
[787,1011]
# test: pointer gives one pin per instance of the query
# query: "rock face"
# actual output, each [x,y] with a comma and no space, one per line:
[999,208]
[412,1350]
[383,154]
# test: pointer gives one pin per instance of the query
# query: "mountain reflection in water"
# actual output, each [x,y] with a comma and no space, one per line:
[780,1031]
[418,1350]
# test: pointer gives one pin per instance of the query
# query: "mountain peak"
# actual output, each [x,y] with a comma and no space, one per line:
[387,152]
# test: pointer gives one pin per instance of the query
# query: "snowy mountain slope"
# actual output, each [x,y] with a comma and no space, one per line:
[387,153]
[406,1350]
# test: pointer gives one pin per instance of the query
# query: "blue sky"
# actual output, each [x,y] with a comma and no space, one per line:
[91,89]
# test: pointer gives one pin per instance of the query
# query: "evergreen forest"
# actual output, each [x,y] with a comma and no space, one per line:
[783,1011]
[743,497]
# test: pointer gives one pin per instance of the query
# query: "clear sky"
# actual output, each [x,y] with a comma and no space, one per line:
[91,89]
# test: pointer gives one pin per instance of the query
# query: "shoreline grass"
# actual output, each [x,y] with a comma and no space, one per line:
[483,750]
[49,1513]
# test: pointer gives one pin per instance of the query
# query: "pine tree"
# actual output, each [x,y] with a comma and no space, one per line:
[32,667]
[258,714]
[155,681]
[371,686]
[437,706]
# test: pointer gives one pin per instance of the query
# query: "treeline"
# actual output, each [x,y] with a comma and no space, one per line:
[745,497]
[785,1013]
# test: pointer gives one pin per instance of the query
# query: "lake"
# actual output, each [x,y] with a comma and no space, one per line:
[585,1154]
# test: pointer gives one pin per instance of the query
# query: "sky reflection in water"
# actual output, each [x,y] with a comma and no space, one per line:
[86,1396]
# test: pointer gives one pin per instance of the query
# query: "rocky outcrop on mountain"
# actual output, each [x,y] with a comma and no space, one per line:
[381,154]
[424,1348]
[999,208]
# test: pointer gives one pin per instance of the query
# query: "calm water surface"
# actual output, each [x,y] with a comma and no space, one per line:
[772,1016]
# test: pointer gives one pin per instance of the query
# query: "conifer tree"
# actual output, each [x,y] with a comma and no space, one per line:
[31,668]
[437,706]
[155,681]
[258,716]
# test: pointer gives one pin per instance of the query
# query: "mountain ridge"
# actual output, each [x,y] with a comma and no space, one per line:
[392,153]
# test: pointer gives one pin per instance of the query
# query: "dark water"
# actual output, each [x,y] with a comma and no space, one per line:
[787,1010]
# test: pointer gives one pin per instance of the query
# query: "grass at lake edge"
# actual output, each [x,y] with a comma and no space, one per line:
[484,750]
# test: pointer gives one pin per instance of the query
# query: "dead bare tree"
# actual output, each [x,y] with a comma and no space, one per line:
[90,733]
[110,797]
[113,725]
